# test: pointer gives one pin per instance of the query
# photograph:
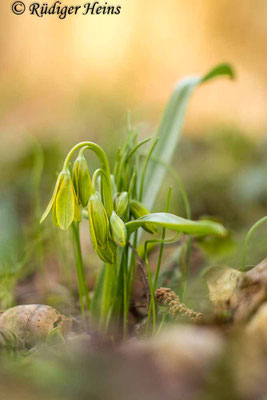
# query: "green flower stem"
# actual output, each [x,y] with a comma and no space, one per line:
[114,305]
[152,299]
[147,243]
[162,241]
[189,241]
[132,269]
[83,290]
[187,267]
[107,188]
[107,293]
[125,293]
[248,236]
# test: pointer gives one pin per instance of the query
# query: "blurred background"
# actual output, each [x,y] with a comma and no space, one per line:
[63,81]
[74,78]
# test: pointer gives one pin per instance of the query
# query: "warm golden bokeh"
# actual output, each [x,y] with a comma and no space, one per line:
[86,71]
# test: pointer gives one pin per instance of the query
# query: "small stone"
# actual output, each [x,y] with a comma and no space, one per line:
[32,323]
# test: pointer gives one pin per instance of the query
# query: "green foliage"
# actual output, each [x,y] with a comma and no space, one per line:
[116,208]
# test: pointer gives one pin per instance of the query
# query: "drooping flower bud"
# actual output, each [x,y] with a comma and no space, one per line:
[121,204]
[138,210]
[108,253]
[64,202]
[118,230]
[81,179]
[98,222]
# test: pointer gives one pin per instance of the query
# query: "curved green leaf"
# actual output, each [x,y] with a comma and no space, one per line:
[177,224]
[219,70]
[170,129]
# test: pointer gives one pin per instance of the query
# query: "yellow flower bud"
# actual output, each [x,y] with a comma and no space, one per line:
[63,202]
[138,210]
[118,230]
[121,204]
[81,179]
[98,222]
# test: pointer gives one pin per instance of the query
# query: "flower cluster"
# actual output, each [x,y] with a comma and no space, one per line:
[110,203]
[76,190]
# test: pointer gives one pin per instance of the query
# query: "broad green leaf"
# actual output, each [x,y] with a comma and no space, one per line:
[170,129]
[177,224]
